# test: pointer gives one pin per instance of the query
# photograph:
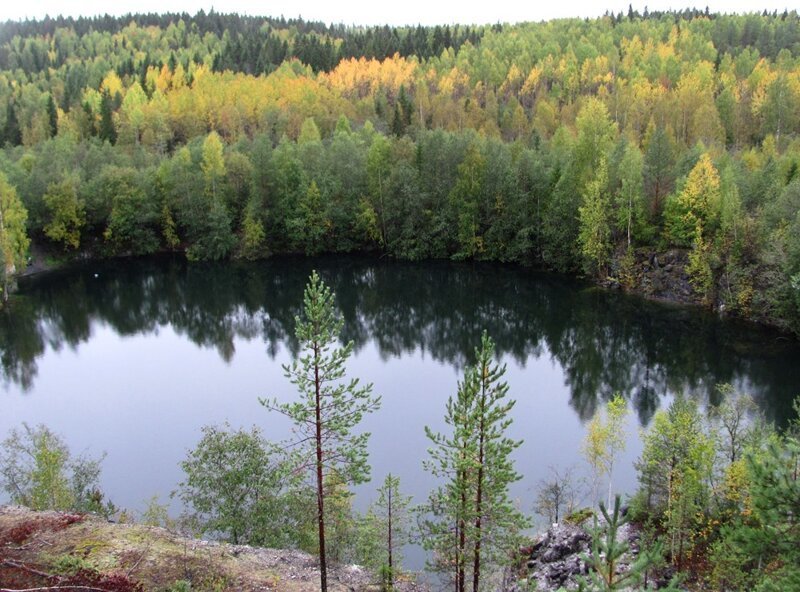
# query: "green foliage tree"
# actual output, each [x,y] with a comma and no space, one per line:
[760,548]
[310,225]
[378,171]
[107,130]
[659,176]
[701,276]
[13,237]
[67,214]
[241,487]
[253,239]
[38,471]
[465,199]
[52,115]
[329,408]
[594,218]
[673,472]
[134,218]
[629,199]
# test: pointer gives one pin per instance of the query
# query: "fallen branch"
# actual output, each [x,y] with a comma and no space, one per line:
[138,561]
[22,566]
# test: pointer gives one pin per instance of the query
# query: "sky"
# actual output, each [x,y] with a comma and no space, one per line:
[361,12]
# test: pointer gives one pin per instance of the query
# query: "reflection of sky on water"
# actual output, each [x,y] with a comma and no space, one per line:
[135,362]
[143,399]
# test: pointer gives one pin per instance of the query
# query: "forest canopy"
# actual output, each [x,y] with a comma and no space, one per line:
[585,146]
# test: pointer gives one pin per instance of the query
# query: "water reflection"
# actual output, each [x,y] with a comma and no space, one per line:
[604,342]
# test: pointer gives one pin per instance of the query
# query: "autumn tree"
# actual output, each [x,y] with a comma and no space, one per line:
[329,408]
[697,205]
[604,441]
[213,163]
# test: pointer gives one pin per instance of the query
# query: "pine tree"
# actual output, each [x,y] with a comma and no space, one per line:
[329,408]
[107,130]
[471,517]
[52,115]
[12,134]
[390,516]
[607,551]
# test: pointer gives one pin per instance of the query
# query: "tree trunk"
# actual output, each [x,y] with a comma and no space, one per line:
[391,564]
[462,537]
[476,562]
[323,567]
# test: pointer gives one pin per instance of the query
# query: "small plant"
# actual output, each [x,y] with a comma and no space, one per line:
[179,586]
[71,565]
[579,516]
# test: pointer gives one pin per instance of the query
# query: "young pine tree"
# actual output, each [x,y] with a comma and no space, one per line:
[471,518]
[329,408]
[607,552]
[390,518]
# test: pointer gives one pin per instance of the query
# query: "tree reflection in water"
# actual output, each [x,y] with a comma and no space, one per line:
[605,342]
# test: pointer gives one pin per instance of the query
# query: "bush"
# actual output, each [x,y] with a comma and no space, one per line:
[240,488]
[38,471]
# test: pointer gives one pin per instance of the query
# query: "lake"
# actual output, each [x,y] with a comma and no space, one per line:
[133,357]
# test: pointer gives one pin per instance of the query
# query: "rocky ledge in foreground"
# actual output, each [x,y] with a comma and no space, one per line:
[556,561]
[81,552]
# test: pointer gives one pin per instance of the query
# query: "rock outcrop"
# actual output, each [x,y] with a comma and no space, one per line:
[556,558]
[39,549]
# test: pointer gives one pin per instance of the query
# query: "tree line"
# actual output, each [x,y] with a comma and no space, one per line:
[580,146]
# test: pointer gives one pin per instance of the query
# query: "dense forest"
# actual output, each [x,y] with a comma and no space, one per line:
[582,146]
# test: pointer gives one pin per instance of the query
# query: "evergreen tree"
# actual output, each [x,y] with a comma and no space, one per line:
[390,517]
[606,552]
[52,115]
[329,408]
[12,134]
[471,520]
[107,130]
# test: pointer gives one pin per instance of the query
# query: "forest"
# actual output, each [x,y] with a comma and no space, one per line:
[581,146]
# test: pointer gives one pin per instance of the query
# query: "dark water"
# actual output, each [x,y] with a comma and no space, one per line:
[133,357]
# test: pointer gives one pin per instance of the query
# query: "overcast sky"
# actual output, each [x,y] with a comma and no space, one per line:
[395,12]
